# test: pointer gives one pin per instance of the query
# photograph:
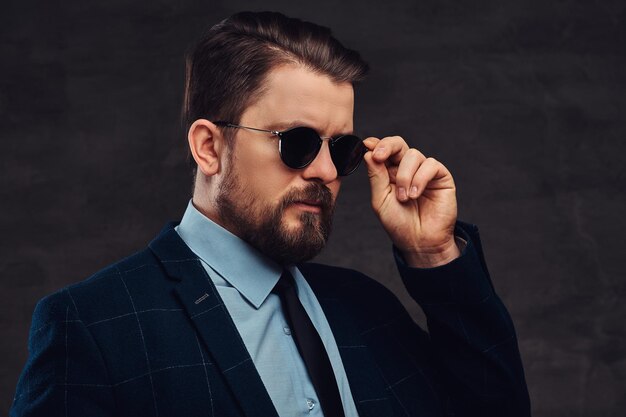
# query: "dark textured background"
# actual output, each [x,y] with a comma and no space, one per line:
[525,102]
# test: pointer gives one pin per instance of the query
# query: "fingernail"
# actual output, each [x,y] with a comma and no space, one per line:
[379,151]
[413,192]
[402,193]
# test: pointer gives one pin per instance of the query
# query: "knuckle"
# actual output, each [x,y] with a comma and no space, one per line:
[403,178]
[420,156]
[413,152]
[393,139]
[418,178]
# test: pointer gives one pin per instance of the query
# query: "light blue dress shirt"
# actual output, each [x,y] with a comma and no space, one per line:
[244,279]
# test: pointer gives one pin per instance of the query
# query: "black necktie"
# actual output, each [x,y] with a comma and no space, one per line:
[310,347]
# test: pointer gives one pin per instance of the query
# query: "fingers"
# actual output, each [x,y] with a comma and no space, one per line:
[391,161]
[409,165]
[389,149]
[370,142]
[421,173]
[378,175]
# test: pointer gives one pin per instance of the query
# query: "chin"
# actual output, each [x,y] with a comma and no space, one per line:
[299,220]
[293,225]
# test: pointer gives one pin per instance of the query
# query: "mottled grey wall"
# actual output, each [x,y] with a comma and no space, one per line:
[525,102]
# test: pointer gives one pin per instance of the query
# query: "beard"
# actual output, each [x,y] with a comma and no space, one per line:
[262,225]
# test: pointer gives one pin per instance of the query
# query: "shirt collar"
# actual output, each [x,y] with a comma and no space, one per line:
[253,274]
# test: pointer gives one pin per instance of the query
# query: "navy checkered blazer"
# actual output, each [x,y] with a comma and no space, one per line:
[150,336]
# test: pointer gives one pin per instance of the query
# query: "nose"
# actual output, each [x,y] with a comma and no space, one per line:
[322,168]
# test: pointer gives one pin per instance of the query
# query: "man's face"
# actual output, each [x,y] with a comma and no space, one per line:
[283,212]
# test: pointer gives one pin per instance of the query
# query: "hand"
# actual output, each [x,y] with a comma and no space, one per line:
[414,198]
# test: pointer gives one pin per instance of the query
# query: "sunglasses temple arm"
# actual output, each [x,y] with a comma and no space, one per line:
[273,132]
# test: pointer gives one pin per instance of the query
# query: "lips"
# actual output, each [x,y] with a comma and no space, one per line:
[313,206]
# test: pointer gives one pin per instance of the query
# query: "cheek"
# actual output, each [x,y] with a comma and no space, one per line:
[261,171]
[256,154]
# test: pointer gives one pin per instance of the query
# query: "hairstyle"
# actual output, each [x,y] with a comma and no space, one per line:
[225,72]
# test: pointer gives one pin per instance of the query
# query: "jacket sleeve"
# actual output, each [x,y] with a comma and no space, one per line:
[471,333]
[65,374]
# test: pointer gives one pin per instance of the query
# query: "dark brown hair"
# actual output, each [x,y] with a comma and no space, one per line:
[226,69]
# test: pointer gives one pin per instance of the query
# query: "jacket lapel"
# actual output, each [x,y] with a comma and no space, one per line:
[206,310]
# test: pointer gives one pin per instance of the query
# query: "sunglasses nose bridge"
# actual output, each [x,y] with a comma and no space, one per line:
[329,140]
[321,146]
[323,160]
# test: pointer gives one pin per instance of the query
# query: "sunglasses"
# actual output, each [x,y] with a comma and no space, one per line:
[299,146]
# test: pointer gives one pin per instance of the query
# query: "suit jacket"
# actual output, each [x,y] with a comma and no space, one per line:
[150,336]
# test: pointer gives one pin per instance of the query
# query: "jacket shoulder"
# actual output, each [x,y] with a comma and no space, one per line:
[104,293]
[349,284]
[335,277]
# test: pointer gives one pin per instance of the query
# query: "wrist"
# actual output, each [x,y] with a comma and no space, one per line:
[432,257]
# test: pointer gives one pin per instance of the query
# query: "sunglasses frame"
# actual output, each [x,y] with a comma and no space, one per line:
[280,134]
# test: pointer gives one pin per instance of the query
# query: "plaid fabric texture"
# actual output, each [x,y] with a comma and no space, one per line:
[149,336]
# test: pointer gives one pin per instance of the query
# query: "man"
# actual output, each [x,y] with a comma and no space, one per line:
[220,316]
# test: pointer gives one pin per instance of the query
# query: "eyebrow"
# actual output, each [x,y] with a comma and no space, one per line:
[282,126]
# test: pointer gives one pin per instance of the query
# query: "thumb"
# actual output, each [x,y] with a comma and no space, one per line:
[378,175]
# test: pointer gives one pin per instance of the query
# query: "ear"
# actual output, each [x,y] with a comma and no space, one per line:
[206,144]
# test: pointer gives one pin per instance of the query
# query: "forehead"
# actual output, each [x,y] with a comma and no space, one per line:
[295,93]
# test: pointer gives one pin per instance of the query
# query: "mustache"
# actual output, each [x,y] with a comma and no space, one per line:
[313,191]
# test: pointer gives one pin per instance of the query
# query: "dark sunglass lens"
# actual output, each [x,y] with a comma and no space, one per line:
[299,146]
[347,152]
